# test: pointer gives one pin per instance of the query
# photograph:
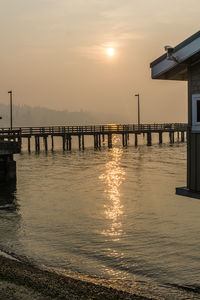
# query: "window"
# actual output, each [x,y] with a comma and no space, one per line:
[196,113]
[198,110]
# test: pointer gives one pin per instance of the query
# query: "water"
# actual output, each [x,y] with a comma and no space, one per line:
[108,216]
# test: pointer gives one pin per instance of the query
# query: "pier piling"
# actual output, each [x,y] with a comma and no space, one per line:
[83,142]
[178,136]
[123,144]
[29,144]
[69,142]
[160,138]
[99,137]
[63,142]
[148,138]
[136,139]
[182,136]
[109,140]
[79,142]
[45,143]
[52,143]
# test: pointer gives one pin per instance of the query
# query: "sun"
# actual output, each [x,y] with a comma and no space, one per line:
[110,51]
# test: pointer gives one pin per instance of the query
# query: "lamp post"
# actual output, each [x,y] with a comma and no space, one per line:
[10,92]
[137,95]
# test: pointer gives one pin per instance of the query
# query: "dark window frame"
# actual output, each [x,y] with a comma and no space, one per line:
[198,111]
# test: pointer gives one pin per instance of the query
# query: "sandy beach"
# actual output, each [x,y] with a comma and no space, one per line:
[19,280]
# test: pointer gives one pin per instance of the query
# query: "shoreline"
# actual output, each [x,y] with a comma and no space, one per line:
[17,277]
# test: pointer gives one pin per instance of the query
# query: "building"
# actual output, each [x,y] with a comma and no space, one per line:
[183,63]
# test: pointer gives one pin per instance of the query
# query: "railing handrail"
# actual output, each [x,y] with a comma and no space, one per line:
[105,128]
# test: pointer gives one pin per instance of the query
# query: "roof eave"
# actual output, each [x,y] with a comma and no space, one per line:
[178,47]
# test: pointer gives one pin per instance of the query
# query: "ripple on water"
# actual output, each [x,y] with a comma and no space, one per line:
[110,215]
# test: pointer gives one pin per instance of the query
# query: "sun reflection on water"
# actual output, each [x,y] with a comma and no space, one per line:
[113,178]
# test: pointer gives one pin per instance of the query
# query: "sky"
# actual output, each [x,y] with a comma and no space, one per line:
[54,54]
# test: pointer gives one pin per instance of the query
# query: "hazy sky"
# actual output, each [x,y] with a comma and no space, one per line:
[53,54]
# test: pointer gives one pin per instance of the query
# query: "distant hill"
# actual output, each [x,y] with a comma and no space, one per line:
[24,115]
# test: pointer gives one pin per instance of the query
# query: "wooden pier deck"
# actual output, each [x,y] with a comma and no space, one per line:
[98,132]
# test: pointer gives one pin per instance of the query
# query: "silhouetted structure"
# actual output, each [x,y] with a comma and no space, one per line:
[183,63]
[10,143]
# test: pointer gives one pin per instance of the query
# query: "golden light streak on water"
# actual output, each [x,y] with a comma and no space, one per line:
[113,177]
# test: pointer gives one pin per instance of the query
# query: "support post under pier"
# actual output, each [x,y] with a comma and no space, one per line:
[79,142]
[29,144]
[45,143]
[178,136]
[63,141]
[182,136]
[99,137]
[136,139]
[52,143]
[110,140]
[83,142]
[171,137]
[160,137]
[148,138]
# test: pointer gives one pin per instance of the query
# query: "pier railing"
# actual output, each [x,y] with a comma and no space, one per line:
[12,134]
[91,129]
[97,131]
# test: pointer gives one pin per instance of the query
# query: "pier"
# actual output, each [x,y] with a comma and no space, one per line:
[100,133]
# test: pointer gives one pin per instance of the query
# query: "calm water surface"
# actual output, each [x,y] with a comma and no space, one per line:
[108,216]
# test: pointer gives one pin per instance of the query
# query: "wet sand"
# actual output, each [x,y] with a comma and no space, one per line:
[19,280]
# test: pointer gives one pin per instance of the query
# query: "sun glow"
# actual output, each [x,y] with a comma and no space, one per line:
[110,51]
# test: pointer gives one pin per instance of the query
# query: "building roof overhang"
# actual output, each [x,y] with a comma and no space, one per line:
[185,54]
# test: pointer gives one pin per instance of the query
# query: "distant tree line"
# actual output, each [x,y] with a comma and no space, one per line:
[24,115]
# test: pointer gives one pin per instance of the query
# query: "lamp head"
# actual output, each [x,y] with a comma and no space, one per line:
[169,49]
